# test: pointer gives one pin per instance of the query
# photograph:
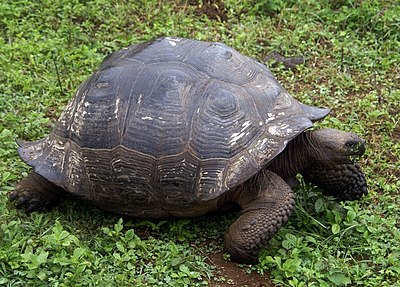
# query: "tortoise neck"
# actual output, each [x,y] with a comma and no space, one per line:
[294,158]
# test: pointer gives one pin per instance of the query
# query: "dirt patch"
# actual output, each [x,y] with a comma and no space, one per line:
[213,9]
[288,62]
[230,274]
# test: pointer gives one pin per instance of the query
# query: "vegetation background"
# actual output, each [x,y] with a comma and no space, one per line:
[351,52]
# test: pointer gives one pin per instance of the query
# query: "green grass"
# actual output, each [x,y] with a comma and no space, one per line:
[352,56]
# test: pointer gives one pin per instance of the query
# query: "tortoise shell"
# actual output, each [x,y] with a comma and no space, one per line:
[171,121]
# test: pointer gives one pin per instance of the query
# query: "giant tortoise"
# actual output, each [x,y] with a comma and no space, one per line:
[178,127]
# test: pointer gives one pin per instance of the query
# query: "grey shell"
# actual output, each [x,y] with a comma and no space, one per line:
[171,120]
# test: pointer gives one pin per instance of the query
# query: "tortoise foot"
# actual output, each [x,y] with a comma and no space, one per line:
[35,193]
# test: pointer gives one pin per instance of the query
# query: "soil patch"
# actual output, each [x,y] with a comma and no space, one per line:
[230,274]
[213,9]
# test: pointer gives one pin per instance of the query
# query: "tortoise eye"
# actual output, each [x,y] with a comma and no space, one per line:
[352,144]
[357,146]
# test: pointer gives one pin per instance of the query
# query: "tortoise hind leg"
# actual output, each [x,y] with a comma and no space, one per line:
[34,192]
[267,202]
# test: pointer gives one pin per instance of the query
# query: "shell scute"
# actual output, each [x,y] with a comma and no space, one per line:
[172,121]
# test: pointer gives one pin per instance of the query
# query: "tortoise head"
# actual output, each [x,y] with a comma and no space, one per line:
[335,146]
[333,166]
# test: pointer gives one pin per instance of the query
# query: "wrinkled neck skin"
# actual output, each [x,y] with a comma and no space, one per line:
[295,158]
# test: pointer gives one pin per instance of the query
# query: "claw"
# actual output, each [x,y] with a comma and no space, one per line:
[21,201]
[35,193]
[13,196]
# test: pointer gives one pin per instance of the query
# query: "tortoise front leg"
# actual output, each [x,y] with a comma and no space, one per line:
[34,192]
[267,202]
[344,181]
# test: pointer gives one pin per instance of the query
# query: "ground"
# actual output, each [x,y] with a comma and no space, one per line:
[235,275]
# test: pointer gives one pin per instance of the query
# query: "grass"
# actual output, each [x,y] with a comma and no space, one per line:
[351,51]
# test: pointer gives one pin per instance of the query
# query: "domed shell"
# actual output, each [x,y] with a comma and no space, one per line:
[171,120]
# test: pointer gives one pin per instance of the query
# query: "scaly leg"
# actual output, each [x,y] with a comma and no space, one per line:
[344,181]
[34,192]
[267,202]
